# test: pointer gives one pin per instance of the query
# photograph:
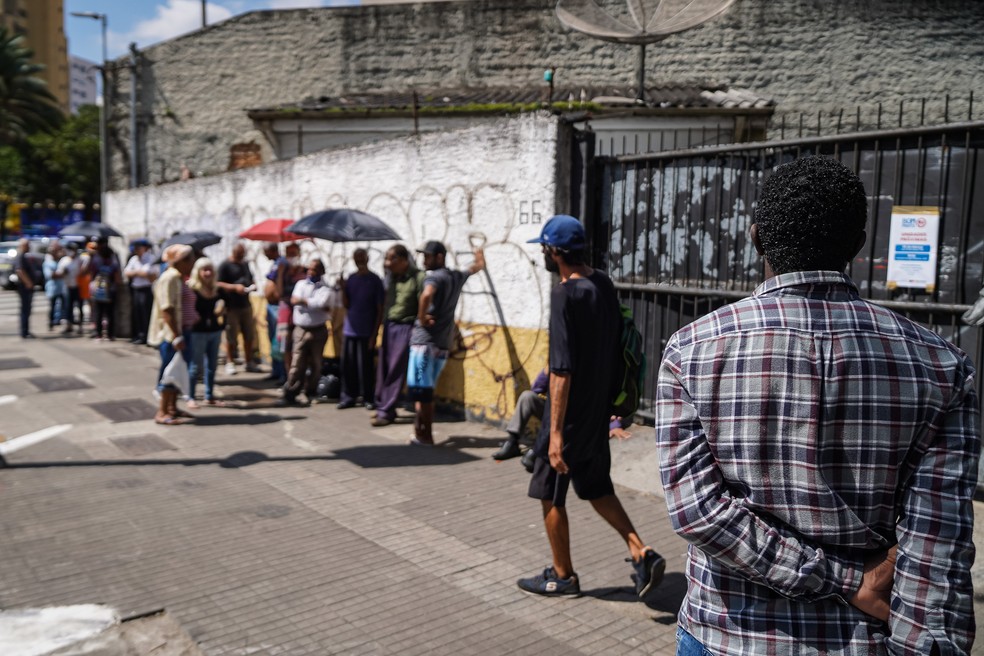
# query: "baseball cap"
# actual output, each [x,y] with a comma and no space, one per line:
[433,248]
[561,231]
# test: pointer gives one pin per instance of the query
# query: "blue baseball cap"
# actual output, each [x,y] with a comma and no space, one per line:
[561,231]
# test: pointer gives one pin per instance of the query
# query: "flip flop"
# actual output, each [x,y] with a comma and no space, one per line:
[168,420]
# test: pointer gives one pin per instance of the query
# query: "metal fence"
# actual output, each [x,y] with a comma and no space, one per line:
[672,228]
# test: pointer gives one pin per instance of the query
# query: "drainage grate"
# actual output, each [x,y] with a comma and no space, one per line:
[58,383]
[125,410]
[142,445]
[18,363]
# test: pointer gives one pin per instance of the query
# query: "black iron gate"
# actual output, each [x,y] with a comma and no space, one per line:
[672,228]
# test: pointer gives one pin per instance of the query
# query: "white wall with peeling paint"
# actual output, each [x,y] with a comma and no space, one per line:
[488,185]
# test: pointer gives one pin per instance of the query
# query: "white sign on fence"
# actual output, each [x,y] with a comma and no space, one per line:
[913,245]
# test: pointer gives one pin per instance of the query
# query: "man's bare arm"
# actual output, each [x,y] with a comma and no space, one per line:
[560,389]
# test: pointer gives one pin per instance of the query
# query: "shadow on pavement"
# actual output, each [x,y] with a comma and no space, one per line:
[402,455]
[667,598]
[234,461]
[469,442]
[252,419]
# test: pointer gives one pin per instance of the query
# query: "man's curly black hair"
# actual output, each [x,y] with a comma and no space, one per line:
[810,215]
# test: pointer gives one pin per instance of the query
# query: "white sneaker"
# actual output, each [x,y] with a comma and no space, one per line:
[230,369]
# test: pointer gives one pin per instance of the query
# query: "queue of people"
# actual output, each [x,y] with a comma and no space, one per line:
[818,452]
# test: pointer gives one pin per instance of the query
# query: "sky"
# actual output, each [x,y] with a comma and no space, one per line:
[150,21]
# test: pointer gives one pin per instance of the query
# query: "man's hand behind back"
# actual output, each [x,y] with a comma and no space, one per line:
[874,595]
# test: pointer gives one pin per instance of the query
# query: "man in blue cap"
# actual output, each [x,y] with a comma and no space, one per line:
[585,325]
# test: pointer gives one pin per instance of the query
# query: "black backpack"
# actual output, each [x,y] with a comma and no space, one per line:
[631,373]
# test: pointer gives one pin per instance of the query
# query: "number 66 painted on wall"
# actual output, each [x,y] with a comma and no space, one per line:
[529,212]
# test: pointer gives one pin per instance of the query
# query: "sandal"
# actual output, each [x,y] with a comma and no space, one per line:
[192,404]
[168,420]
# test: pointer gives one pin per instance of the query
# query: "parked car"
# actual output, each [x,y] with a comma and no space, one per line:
[8,252]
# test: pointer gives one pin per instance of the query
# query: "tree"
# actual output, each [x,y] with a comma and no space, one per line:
[26,104]
[64,165]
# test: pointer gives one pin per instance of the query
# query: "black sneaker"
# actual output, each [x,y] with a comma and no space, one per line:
[528,460]
[648,572]
[509,449]
[549,585]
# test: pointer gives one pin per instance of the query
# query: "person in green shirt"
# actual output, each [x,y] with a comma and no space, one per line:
[404,283]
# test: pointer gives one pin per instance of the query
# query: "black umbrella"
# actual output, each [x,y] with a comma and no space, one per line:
[88,229]
[197,239]
[343,225]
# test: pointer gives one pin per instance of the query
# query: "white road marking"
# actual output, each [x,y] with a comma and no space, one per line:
[31,439]
[9,398]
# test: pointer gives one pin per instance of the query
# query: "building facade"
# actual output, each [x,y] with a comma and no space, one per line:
[82,83]
[811,58]
[42,24]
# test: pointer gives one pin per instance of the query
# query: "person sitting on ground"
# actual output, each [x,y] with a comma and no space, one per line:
[362,295]
[235,282]
[165,325]
[206,333]
[311,300]
[529,405]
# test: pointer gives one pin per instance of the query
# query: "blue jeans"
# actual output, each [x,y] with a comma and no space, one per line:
[687,645]
[167,354]
[276,366]
[204,347]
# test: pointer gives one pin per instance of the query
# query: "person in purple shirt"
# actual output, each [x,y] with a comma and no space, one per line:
[363,297]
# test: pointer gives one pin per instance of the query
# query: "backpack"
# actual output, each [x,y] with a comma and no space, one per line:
[631,376]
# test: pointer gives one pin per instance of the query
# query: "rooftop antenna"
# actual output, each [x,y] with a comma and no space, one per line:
[650,21]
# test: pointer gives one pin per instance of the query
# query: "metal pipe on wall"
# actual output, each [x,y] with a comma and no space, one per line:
[134,137]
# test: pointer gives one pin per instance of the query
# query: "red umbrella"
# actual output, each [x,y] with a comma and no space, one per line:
[271,230]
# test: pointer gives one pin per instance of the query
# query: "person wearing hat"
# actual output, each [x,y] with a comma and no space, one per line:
[572,448]
[165,324]
[140,272]
[430,339]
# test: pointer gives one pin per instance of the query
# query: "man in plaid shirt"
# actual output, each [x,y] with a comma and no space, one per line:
[818,452]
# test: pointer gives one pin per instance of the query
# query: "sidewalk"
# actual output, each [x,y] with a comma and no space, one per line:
[294,531]
[299,531]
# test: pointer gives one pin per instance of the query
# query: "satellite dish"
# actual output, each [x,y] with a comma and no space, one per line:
[648,21]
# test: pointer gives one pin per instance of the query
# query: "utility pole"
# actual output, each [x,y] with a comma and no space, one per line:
[204,21]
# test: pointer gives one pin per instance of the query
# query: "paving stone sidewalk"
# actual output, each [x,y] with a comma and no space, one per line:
[300,531]
[294,531]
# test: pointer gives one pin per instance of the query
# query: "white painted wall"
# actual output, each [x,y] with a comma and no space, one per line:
[479,185]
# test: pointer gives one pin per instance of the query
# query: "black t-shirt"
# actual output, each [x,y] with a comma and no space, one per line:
[207,321]
[584,332]
[235,273]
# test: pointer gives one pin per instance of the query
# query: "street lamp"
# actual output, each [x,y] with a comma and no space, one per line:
[103,154]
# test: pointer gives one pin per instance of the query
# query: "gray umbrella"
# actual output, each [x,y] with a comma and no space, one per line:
[197,239]
[343,225]
[88,229]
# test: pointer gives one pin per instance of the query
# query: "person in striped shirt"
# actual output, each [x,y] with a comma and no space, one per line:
[818,452]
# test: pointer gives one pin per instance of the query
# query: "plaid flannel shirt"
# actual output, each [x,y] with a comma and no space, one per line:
[799,431]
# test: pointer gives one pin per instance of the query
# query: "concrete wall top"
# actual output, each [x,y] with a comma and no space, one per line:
[809,55]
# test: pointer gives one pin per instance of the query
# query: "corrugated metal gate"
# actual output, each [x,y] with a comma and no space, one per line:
[672,228]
